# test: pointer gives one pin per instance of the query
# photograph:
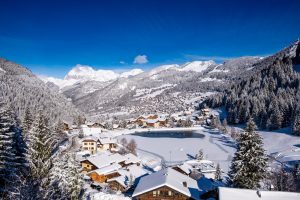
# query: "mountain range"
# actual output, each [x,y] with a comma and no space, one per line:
[166,88]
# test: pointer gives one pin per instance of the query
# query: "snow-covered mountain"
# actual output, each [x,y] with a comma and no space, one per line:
[166,88]
[197,66]
[84,73]
[132,72]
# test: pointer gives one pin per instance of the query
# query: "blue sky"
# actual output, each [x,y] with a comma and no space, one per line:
[50,37]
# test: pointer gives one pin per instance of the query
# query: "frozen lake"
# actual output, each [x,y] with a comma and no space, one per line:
[177,146]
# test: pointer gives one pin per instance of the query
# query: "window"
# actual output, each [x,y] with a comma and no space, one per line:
[170,193]
[154,193]
[92,148]
[85,143]
[87,165]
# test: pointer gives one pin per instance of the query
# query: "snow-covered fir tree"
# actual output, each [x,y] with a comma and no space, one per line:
[200,155]
[218,173]
[12,155]
[65,182]
[296,123]
[27,123]
[249,163]
[40,150]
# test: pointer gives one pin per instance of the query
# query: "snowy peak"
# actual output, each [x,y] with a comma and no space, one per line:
[132,72]
[163,68]
[197,66]
[86,73]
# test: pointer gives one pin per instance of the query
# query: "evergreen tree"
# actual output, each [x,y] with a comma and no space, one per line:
[27,124]
[296,125]
[65,182]
[8,163]
[200,155]
[248,166]
[218,173]
[39,151]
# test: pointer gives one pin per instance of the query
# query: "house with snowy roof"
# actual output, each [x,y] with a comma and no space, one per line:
[106,166]
[105,144]
[167,184]
[153,123]
[127,178]
[90,144]
[246,194]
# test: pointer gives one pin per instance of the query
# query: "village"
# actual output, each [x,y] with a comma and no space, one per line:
[112,165]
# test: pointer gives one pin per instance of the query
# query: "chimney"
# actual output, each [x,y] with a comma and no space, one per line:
[184,184]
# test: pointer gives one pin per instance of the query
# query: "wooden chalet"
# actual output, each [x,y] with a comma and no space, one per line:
[166,184]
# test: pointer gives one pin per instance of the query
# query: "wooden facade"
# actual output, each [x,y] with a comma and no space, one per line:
[162,193]
[101,178]
[115,185]
[179,170]
[87,166]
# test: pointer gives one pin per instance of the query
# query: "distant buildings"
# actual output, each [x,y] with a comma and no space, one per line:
[94,144]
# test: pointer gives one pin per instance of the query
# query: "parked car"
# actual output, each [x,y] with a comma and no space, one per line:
[96,186]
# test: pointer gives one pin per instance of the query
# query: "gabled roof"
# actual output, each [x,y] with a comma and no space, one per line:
[170,178]
[245,194]
[103,160]
[130,158]
[133,170]
[107,169]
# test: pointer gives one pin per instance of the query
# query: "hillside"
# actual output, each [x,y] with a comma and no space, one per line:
[23,89]
[271,95]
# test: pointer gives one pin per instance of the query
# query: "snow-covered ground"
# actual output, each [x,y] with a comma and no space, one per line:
[282,146]
[104,196]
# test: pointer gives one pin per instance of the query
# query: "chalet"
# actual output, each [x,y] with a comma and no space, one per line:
[90,144]
[153,123]
[162,121]
[107,144]
[166,184]
[99,161]
[104,173]
[129,176]
[206,167]
[246,194]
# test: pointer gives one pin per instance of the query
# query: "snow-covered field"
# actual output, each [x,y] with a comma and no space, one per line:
[281,145]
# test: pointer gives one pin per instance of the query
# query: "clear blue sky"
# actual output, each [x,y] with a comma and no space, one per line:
[50,37]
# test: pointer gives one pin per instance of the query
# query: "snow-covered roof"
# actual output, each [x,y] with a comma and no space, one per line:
[151,121]
[104,160]
[107,169]
[108,141]
[90,131]
[170,178]
[90,138]
[130,158]
[133,170]
[205,166]
[245,194]
[186,168]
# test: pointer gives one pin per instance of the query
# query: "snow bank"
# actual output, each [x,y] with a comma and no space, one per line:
[103,196]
